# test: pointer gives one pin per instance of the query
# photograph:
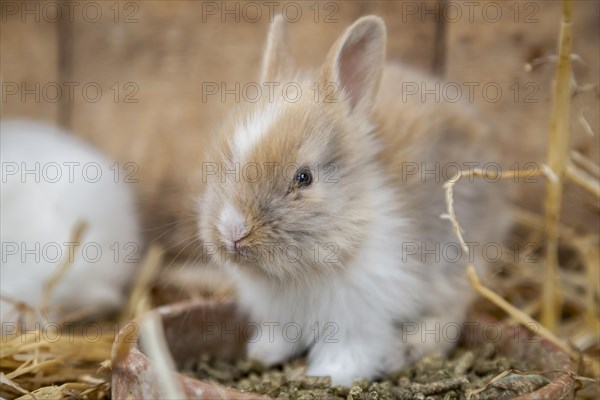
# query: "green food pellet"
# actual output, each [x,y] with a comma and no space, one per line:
[431,378]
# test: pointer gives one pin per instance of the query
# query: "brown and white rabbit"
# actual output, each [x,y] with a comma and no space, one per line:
[336,246]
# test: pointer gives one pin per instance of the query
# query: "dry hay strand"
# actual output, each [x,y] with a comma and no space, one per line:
[580,335]
[35,361]
[554,284]
[557,162]
[157,350]
[68,359]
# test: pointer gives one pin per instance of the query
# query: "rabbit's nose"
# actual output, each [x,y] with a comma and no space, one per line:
[234,244]
[232,227]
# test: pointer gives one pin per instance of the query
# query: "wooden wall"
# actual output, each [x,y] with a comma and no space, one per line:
[137,69]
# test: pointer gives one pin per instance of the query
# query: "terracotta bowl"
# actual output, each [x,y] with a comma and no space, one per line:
[195,328]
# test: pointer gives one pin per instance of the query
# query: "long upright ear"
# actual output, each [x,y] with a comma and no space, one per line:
[276,60]
[355,63]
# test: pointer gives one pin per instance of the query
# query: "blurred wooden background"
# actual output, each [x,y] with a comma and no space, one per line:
[130,74]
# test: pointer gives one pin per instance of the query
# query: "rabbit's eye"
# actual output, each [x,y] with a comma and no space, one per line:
[303,177]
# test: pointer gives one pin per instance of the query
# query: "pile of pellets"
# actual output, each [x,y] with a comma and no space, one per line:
[465,374]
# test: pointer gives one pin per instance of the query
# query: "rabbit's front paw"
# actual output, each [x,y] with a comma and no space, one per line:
[272,347]
[344,363]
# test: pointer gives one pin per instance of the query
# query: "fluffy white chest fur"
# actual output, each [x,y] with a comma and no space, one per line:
[349,320]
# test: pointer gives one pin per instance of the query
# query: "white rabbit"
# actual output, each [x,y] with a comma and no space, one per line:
[51,180]
[335,241]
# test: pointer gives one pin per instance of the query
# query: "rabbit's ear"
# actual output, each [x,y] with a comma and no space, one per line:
[355,63]
[276,60]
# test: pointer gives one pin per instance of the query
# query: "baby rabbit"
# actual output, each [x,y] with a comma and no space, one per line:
[50,181]
[325,210]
